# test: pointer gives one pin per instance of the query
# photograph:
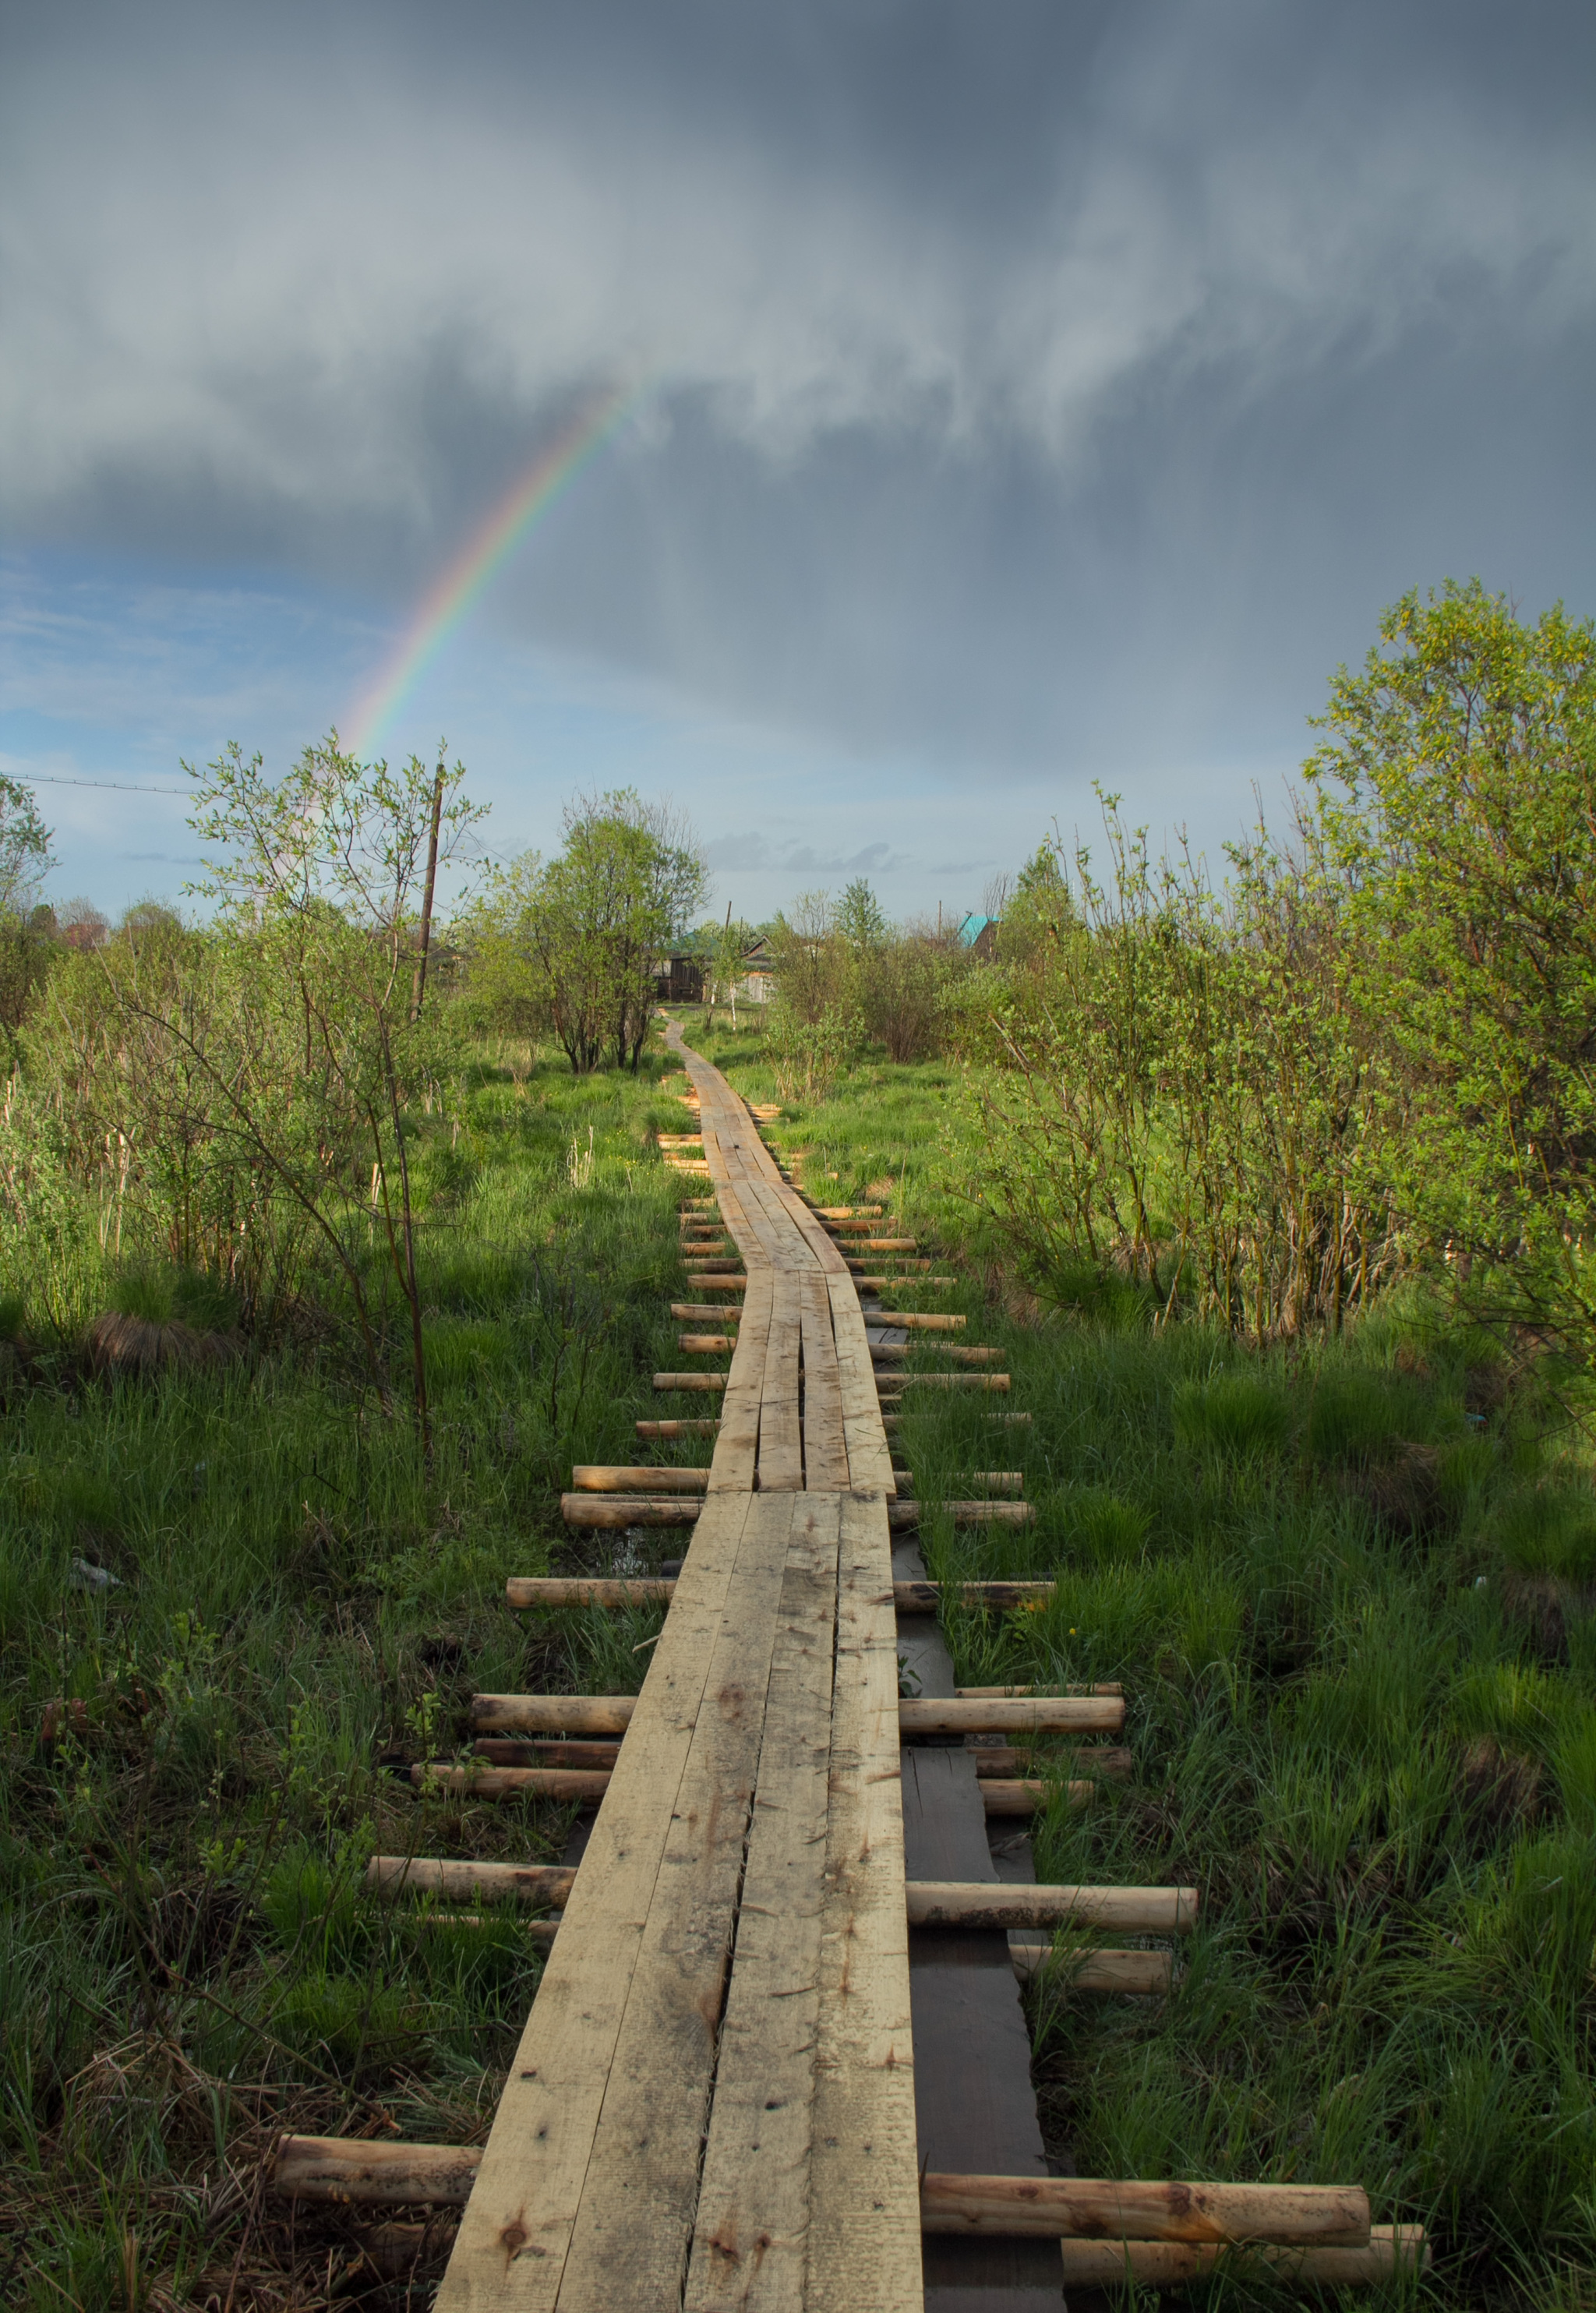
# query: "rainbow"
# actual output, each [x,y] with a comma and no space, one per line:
[451,596]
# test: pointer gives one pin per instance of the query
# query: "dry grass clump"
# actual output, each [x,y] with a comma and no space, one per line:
[116,1344]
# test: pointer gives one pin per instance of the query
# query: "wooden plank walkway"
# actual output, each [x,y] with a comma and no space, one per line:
[713,2101]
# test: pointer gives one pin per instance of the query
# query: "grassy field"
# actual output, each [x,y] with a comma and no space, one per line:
[1347,1585]
[193,1758]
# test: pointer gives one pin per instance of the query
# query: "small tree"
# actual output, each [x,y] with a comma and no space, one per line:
[573,942]
[1457,817]
[25,929]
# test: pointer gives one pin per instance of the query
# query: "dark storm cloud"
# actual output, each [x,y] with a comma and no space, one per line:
[1022,381]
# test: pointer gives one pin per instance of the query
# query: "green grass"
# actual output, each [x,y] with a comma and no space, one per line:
[1348,1586]
[1363,1717]
[188,1959]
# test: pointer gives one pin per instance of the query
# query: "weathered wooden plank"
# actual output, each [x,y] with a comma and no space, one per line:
[633,2230]
[781,1445]
[750,2239]
[509,2255]
[737,1445]
[870,1463]
[864,2227]
[825,1440]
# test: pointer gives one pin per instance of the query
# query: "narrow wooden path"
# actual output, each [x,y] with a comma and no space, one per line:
[715,2086]
[713,2103]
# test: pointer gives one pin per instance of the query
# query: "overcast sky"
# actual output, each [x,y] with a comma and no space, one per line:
[1026,395]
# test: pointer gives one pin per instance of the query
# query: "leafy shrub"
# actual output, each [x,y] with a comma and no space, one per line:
[808,1056]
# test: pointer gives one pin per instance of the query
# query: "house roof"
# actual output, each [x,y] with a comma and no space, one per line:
[972,929]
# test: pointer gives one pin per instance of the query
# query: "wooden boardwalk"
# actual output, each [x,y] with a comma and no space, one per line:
[713,2102]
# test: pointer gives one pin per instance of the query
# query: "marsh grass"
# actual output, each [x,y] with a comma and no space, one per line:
[199,1757]
[1350,1587]
[1356,1731]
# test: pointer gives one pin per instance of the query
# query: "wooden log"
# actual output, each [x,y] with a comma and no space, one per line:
[585,1785]
[882,1243]
[1168,2265]
[990,1481]
[553,1714]
[705,1345]
[612,1511]
[344,2168]
[1145,1973]
[502,1751]
[612,1714]
[680,1140]
[458,1880]
[606,1478]
[1097,2208]
[897,1277]
[562,1590]
[918,1320]
[907,1515]
[996,1597]
[1006,1693]
[702,1309]
[902,1270]
[1154,2233]
[900,1381]
[895,1352]
[1002,1796]
[998,1760]
[1073,1714]
[500,1777]
[988,1904]
[669,1381]
[845,1213]
[701,1425]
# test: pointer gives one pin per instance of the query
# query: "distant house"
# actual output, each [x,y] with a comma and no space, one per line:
[978,933]
[758,984]
[678,980]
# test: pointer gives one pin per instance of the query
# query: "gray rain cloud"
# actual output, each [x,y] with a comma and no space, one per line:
[1038,386]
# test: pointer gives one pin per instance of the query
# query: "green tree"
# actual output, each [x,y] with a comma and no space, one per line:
[859,919]
[26,930]
[572,943]
[1457,817]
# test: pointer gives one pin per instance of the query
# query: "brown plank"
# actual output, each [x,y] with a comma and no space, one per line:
[750,2239]
[737,1445]
[633,2230]
[514,2240]
[865,2229]
[781,1445]
[870,1463]
[825,1441]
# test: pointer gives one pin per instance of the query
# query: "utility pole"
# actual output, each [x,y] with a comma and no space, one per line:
[418,987]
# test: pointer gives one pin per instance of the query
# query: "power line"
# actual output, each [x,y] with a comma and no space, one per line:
[107,786]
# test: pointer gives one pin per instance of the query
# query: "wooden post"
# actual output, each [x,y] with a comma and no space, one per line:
[418,987]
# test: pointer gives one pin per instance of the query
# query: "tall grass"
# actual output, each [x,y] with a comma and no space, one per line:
[1359,1652]
[198,1752]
